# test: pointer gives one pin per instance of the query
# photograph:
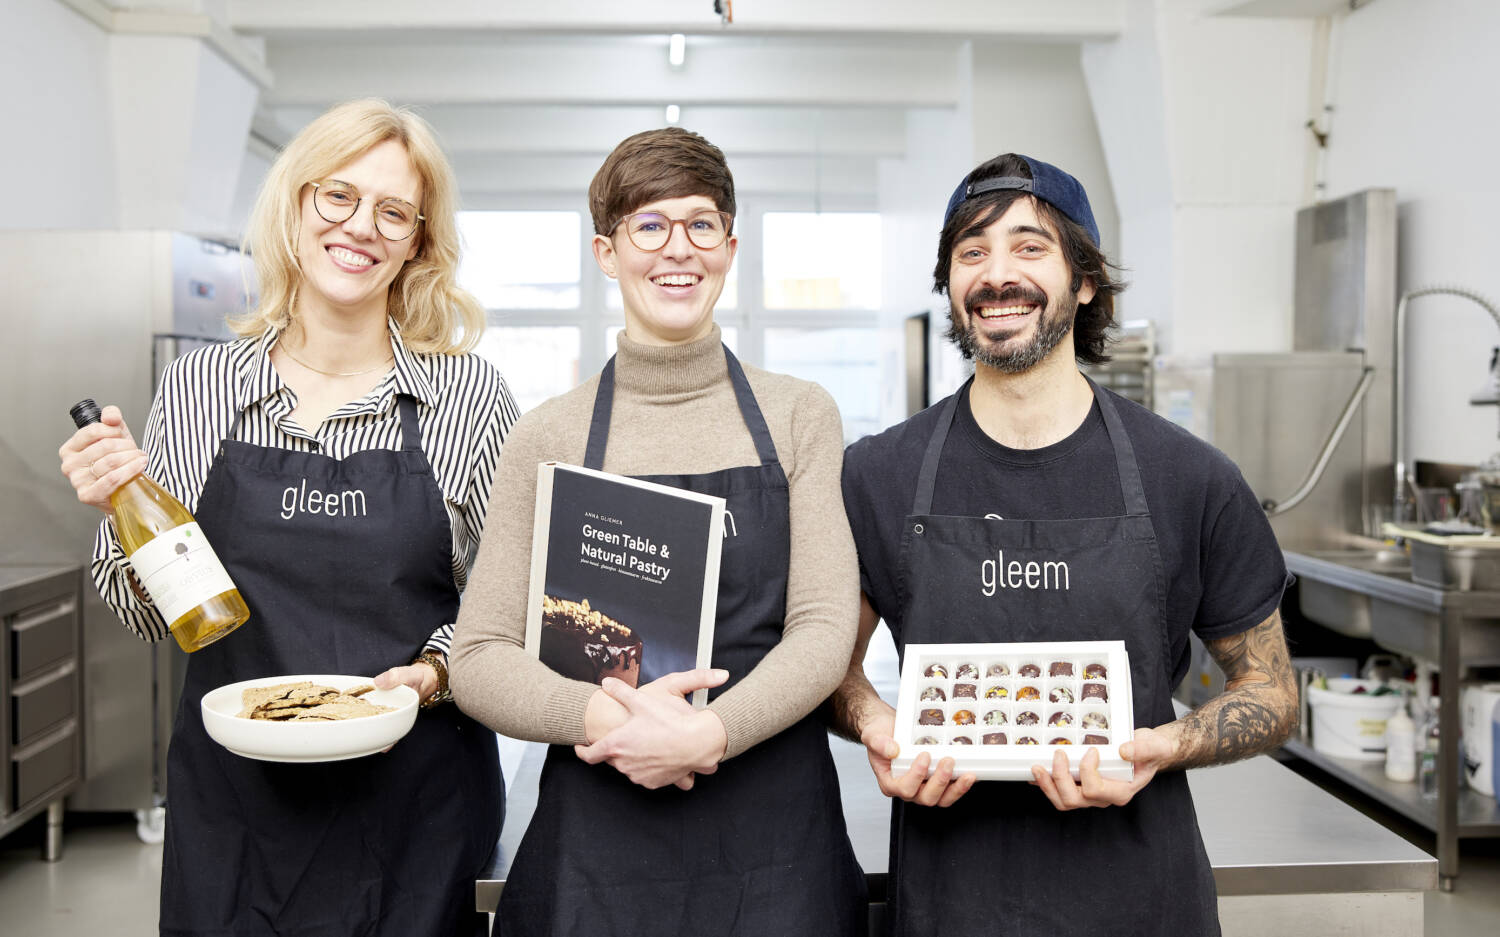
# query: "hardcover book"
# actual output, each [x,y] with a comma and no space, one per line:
[624,576]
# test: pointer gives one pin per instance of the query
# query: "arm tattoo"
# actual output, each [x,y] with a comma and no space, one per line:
[1257,710]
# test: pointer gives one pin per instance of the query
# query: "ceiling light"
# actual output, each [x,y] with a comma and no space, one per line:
[676,50]
[673,114]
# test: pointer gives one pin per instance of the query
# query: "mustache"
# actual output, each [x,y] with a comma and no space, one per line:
[1010,295]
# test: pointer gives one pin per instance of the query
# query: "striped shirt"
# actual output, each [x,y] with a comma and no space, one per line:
[464,409]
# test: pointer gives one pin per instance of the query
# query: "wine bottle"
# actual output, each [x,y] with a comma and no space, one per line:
[172,559]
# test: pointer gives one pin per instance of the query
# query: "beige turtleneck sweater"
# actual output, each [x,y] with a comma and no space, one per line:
[674,413]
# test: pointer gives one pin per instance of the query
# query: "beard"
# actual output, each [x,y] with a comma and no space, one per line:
[1053,325]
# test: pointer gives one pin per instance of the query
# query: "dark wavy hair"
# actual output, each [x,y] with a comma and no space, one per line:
[1084,258]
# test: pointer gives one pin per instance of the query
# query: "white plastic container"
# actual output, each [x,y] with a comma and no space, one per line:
[1401,746]
[1479,710]
[1351,725]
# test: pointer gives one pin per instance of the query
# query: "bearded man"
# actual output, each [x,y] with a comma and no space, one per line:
[1160,537]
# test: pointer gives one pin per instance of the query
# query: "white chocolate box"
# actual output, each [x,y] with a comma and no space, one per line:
[997,719]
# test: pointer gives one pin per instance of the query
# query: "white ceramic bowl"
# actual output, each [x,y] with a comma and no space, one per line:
[308,741]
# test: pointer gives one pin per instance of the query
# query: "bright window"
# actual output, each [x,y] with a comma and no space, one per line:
[828,260]
[538,362]
[843,360]
[521,259]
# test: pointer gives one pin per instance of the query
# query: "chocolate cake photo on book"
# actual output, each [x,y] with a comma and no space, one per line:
[585,644]
[624,576]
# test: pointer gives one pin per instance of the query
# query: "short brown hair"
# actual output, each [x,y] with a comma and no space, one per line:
[656,164]
[1085,260]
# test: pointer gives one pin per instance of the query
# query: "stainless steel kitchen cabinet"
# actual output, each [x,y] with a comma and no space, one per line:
[41,687]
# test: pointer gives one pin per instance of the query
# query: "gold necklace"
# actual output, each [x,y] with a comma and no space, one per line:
[309,367]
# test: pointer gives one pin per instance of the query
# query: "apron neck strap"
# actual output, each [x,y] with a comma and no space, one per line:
[604,399]
[1131,489]
[411,430]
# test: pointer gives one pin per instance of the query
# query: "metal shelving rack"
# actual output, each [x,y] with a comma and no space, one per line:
[1131,369]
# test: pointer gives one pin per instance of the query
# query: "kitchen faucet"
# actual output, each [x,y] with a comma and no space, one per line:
[1404,477]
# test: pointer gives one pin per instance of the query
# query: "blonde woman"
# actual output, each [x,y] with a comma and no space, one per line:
[351,385]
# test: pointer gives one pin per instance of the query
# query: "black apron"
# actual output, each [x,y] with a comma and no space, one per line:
[757,848]
[1003,860]
[388,844]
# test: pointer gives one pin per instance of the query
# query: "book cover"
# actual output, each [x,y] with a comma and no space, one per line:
[624,576]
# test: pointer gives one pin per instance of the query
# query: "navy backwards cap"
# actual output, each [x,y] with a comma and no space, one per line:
[1047,183]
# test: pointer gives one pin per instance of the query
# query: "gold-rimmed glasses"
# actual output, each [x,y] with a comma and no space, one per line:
[336,202]
[650,230]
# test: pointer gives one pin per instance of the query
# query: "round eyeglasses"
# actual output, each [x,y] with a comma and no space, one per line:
[650,230]
[336,202]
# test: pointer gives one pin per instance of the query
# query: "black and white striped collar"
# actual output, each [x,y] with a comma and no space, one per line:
[412,374]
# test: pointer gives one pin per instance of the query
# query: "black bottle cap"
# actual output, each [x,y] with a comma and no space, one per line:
[84,412]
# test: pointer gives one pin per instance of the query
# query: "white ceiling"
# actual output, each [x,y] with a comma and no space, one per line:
[529,97]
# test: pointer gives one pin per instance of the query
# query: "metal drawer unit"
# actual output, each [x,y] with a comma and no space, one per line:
[41,695]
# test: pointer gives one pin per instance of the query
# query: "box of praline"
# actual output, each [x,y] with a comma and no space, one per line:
[998,709]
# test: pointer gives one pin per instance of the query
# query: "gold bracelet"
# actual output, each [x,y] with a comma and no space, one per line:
[442,694]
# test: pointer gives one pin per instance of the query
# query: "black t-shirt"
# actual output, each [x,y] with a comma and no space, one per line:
[1225,574]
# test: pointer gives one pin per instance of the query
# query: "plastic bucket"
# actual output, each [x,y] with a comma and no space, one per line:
[1479,710]
[1346,724]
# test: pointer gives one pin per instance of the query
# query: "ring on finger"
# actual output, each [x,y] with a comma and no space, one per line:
[93,471]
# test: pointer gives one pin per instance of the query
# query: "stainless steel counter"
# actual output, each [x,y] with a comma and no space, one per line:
[1272,837]
[1447,628]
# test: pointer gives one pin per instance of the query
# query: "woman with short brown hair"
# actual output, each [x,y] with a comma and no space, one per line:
[654,817]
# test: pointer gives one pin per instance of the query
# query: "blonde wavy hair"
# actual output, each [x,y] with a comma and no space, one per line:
[433,313]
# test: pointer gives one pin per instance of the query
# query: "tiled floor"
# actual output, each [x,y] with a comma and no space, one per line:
[107,884]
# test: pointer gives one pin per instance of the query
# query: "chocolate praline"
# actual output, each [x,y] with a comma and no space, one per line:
[965,691]
[994,738]
[930,717]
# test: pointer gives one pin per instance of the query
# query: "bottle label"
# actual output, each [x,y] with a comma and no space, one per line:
[180,571]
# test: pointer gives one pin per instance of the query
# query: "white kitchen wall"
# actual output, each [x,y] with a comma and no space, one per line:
[117,130]
[1202,120]
[1414,89]
[59,157]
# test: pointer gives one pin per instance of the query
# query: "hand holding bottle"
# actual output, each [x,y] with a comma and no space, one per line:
[100,457]
[169,554]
